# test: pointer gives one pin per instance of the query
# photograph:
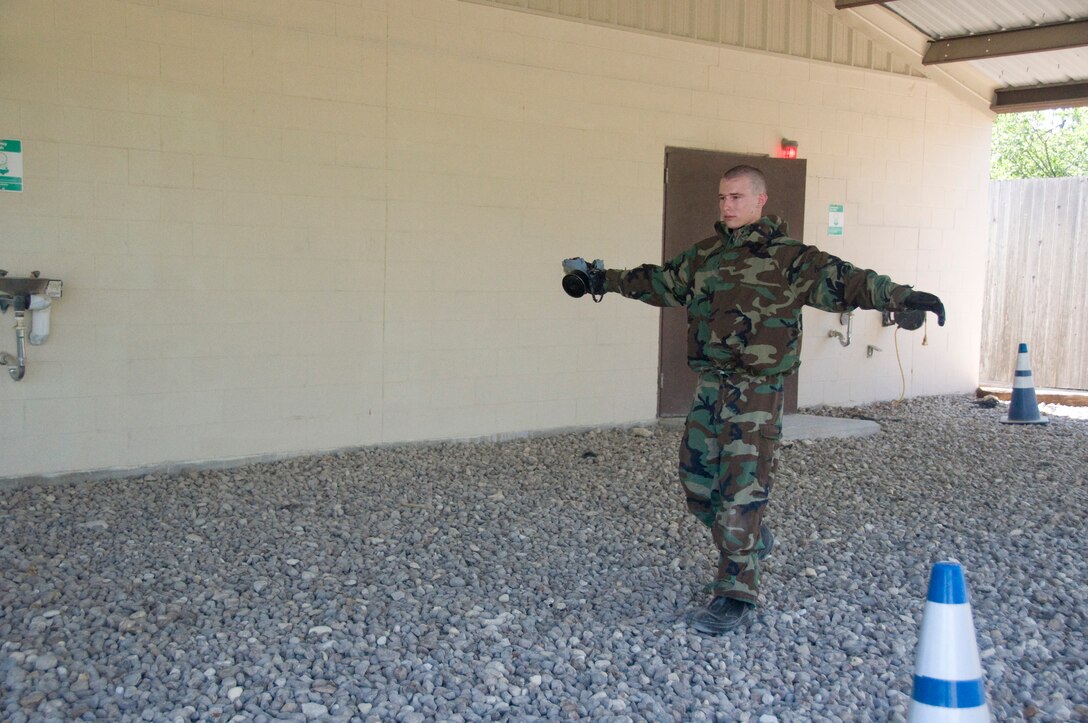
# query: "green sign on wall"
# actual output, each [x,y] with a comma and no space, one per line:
[834,219]
[11,165]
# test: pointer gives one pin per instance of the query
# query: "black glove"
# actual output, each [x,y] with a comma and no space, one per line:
[922,301]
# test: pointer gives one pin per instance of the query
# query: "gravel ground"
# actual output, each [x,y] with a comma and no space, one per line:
[546,578]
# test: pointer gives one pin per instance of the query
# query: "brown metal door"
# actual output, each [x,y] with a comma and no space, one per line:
[691,209]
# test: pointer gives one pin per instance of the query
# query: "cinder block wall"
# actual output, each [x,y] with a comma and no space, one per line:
[295,226]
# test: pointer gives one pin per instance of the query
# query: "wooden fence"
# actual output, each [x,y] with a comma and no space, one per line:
[1037,282]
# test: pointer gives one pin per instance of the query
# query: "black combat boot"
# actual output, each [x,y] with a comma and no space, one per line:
[721,615]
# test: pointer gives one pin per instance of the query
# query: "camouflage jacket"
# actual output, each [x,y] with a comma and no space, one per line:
[744,290]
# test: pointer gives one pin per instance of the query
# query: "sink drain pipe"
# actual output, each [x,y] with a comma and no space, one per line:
[18,362]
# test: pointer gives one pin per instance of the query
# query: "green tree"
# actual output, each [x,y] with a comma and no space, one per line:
[1040,144]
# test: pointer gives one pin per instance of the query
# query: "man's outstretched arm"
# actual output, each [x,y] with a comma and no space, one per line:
[838,285]
[667,285]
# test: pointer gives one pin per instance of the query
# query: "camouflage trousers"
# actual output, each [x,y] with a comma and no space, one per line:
[728,458]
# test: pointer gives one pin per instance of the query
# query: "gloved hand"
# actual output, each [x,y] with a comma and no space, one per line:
[923,301]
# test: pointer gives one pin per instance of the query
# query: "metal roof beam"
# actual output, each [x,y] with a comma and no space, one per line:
[1059,36]
[1040,97]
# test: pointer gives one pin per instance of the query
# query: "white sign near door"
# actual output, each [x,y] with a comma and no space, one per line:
[834,219]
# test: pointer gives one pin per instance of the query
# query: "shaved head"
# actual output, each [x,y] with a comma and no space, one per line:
[741,195]
[753,174]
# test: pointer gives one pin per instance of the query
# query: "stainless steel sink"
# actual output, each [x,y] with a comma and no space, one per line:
[18,291]
[26,285]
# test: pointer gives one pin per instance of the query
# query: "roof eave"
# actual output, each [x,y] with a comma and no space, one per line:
[960,79]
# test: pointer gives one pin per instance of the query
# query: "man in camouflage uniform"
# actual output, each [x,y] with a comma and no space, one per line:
[744,289]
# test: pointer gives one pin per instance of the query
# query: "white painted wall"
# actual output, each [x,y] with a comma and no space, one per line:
[294,226]
[914,178]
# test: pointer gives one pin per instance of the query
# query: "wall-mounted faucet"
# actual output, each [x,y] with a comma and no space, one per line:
[31,293]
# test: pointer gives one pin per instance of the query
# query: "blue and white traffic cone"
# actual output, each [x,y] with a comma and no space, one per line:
[948,674]
[1024,408]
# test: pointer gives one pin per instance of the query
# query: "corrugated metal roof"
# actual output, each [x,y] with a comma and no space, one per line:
[893,36]
[1056,66]
[949,18]
[1059,74]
